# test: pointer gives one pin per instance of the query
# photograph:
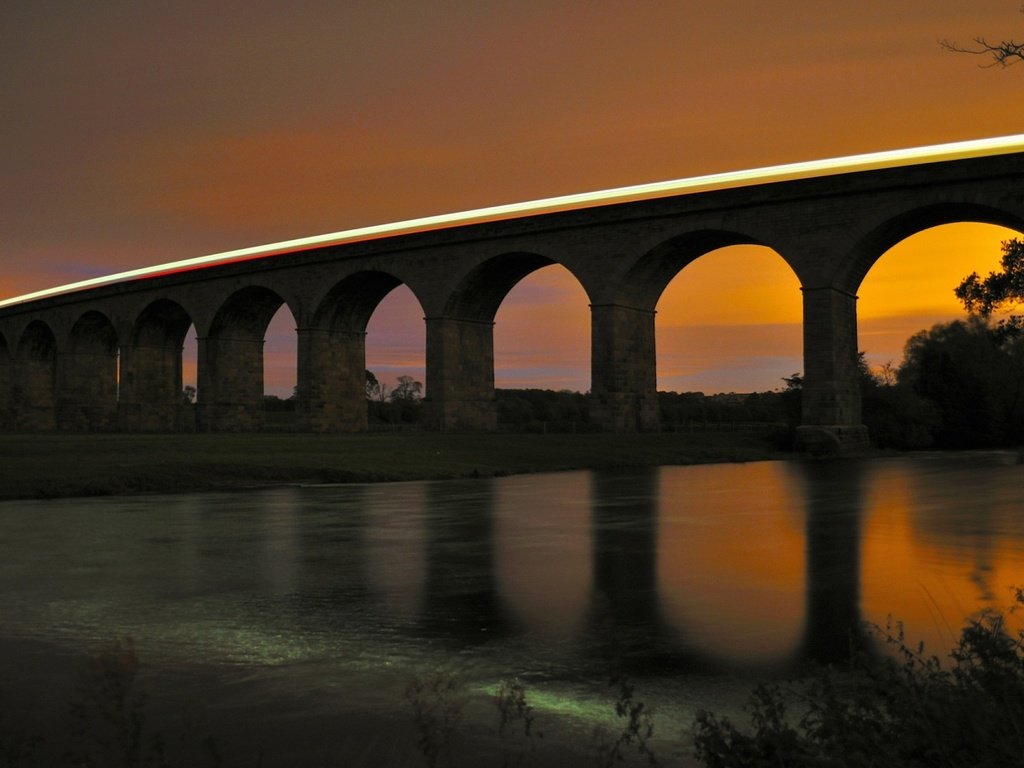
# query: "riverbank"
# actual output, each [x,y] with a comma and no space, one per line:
[56,465]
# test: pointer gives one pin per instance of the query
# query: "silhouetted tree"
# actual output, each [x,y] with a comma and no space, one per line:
[1003,53]
[1000,291]
[973,374]
[407,389]
[188,394]
[895,415]
[375,390]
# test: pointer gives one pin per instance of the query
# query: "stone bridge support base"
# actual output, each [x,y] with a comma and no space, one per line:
[624,395]
[151,398]
[6,416]
[331,381]
[33,396]
[230,385]
[460,375]
[87,400]
[831,411]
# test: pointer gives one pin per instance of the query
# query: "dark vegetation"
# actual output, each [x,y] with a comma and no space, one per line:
[896,706]
[545,410]
[961,384]
[906,708]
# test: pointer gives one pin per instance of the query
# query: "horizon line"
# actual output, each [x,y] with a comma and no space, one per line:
[577,201]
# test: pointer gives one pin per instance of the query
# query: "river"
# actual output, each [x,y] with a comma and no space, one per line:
[290,622]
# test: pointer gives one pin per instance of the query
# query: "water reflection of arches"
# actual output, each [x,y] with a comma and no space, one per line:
[834,495]
[461,598]
[543,561]
[626,621]
[760,562]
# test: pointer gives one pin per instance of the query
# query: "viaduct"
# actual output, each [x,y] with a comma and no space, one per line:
[105,354]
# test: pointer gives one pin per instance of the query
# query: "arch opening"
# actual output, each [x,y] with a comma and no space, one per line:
[542,353]
[729,331]
[190,374]
[396,361]
[279,372]
[940,378]
[909,287]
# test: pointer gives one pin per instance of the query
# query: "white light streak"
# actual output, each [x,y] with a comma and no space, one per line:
[871,161]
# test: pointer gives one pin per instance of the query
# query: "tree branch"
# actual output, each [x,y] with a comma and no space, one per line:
[1003,54]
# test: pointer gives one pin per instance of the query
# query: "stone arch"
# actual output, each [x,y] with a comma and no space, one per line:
[542,337]
[230,386]
[33,391]
[871,247]
[480,293]
[624,361]
[89,375]
[831,402]
[647,279]
[150,398]
[729,321]
[332,353]
[460,342]
[246,313]
[350,303]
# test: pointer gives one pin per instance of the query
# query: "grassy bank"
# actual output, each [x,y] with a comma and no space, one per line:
[58,465]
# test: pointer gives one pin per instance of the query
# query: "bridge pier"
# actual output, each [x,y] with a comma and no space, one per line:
[87,398]
[5,387]
[831,410]
[331,383]
[34,381]
[230,384]
[151,397]
[623,381]
[460,375]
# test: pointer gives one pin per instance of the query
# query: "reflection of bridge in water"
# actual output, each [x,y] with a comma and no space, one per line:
[461,575]
[106,354]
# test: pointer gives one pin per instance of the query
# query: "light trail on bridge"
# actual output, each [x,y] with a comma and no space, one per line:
[649,191]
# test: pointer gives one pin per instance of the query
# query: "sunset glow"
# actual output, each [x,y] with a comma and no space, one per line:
[124,150]
[729,180]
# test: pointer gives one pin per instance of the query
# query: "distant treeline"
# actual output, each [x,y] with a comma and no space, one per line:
[546,410]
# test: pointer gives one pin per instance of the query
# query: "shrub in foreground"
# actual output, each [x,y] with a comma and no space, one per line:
[908,709]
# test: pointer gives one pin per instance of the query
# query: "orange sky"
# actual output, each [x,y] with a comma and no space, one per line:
[134,134]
